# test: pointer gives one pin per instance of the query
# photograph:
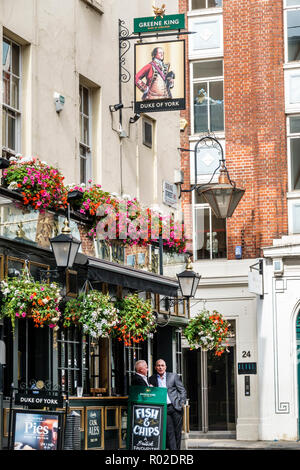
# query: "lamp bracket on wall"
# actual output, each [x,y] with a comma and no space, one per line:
[223,197]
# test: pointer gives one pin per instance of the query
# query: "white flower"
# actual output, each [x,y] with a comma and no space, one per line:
[13,185]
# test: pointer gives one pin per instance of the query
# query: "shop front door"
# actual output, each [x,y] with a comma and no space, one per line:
[211,391]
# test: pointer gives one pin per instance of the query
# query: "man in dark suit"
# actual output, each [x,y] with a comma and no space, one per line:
[176,398]
[140,376]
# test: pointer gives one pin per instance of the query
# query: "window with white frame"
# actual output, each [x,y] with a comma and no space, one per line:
[293,31]
[209,232]
[294,151]
[200,4]
[208,96]
[11,108]
[85,151]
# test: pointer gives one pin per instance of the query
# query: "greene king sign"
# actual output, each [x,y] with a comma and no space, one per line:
[150,23]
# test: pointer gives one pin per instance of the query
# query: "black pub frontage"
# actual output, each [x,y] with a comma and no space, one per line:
[94,375]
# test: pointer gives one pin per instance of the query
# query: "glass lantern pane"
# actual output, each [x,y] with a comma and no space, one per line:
[61,253]
[73,253]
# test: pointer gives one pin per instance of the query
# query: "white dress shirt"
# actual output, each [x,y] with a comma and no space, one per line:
[162,382]
[144,377]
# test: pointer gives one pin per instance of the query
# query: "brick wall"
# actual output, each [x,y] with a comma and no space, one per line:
[255,121]
[255,133]
[186,198]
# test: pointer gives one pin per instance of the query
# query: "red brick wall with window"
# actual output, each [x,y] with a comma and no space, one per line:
[255,126]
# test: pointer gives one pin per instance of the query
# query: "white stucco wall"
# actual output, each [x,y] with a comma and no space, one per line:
[65,42]
[277,312]
[224,287]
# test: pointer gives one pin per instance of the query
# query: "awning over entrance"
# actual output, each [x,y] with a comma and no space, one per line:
[112,273]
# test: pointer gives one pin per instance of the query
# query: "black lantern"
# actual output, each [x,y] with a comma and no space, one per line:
[223,197]
[65,247]
[188,281]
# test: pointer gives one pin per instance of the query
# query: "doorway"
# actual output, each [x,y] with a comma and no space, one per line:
[210,382]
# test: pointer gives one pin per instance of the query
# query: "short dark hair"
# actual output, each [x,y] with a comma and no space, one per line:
[154,52]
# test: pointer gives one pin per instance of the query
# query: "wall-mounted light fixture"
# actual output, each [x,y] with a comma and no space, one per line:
[134,119]
[115,107]
[4,163]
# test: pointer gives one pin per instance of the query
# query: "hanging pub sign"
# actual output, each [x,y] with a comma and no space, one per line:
[37,430]
[147,417]
[158,23]
[159,76]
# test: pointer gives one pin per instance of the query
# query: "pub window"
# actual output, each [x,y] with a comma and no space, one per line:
[85,150]
[99,366]
[73,360]
[11,109]
[147,133]
[178,352]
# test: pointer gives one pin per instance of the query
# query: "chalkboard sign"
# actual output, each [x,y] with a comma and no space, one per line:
[147,427]
[94,438]
[147,418]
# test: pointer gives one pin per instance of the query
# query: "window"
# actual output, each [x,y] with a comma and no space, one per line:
[293,35]
[294,151]
[85,135]
[11,62]
[293,137]
[199,4]
[178,353]
[73,360]
[147,133]
[208,96]
[209,233]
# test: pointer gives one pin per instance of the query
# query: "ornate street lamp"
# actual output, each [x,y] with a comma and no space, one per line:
[223,197]
[65,247]
[188,281]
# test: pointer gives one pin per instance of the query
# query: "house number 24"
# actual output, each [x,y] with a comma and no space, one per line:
[246,354]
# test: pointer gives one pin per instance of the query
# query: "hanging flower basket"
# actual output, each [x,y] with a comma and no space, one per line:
[40,184]
[72,312]
[94,312]
[24,297]
[136,320]
[207,331]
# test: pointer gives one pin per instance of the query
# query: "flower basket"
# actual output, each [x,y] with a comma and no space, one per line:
[136,320]
[23,297]
[72,312]
[94,312]
[207,331]
[40,185]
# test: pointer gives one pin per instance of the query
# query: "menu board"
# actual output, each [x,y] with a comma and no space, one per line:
[37,430]
[94,428]
[147,426]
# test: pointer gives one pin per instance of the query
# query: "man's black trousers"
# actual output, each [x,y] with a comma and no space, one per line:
[174,428]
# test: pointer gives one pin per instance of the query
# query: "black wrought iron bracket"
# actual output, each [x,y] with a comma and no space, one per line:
[198,187]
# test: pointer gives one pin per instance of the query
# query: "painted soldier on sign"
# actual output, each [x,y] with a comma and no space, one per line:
[154,79]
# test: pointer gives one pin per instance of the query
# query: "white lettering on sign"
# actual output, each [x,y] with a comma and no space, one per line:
[34,428]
